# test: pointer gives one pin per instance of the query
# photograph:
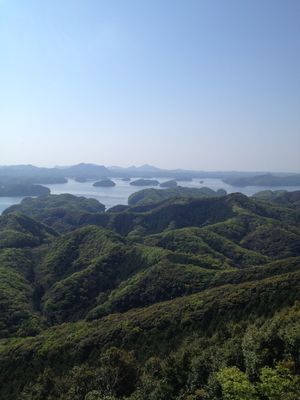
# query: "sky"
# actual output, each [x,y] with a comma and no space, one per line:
[195,84]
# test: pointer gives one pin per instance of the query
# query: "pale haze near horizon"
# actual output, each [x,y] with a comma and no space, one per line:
[207,85]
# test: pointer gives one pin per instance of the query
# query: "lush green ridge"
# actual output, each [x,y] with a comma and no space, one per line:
[160,328]
[62,212]
[280,197]
[150,196]
[183,299]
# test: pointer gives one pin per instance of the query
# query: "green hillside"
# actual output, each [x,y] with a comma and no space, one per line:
[150,196]
[180,299]
[61,212]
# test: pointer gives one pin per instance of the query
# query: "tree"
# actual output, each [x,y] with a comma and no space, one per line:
[118,372]
[235,385]
[96,395]
[279,383]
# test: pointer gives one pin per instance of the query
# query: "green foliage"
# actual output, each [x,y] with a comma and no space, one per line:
[186,299]
[203,242]
[17,314]
[279,196]
[73,296]
[75,251]
[235,385]
[279,382]
[150,196]
[18,231]
[274,384]
[62,212]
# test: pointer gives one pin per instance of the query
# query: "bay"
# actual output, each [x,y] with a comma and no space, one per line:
[111,196]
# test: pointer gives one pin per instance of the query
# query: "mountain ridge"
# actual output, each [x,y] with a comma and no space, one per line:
[176,291]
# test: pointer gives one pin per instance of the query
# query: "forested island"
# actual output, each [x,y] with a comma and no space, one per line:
[22,189]
[264,180]
[144,182]
[180,298]
[104,183]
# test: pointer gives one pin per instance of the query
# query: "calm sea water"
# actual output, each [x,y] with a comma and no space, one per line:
[111,196]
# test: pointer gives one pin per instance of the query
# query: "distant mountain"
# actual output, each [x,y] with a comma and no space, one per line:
[149,171]
[144,168]
[90,171]
[87,171]
[31,174]
[26,174]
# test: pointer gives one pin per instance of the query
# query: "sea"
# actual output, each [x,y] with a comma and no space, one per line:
[111,196]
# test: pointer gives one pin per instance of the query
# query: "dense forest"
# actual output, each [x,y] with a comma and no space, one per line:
[176,298]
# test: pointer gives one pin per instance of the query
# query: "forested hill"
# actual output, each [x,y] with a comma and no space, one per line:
[264,180]
[180,299]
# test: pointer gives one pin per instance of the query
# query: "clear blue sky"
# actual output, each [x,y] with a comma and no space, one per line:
[204,84]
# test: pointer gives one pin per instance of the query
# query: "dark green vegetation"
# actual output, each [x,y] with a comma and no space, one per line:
[19,189]
[62,212]
[182,299]
[144,182]
[264,180]
[280,197]
[149,196]
[169,184]
[104,183]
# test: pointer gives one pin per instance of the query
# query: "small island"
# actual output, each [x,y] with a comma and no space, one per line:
[169,184]
[126,179]
[144,182]
[104,183]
